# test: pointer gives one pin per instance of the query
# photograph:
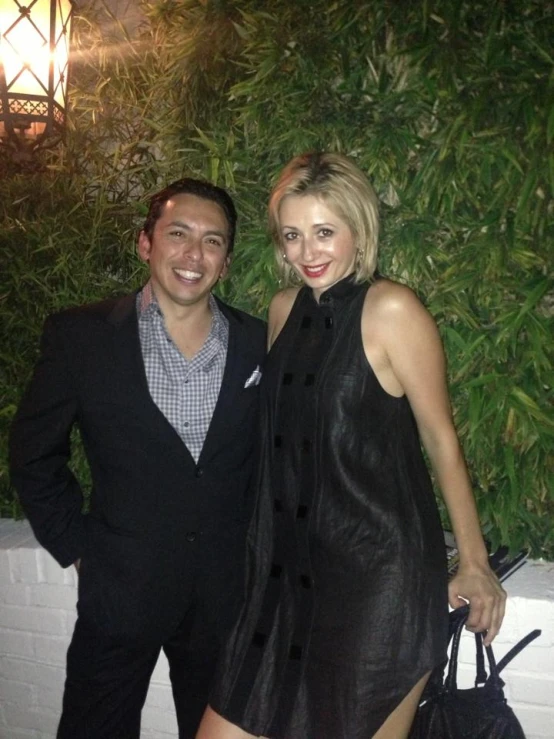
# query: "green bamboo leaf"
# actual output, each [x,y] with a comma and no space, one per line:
[550,126]
[482,380]
[535,296]
[241,30]
[452,335]
[210,144]
[548,58]
[530,405]
[510,156]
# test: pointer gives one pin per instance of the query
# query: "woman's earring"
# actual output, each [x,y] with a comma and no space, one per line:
[284,257]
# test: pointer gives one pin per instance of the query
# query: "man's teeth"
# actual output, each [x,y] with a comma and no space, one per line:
[188,275]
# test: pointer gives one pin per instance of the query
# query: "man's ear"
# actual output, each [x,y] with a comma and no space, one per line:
[225,268]
[144,246]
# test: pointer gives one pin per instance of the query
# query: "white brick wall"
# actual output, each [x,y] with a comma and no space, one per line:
[530,677]
[37,615]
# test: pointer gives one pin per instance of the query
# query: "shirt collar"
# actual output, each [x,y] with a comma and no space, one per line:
[147,307]
[147,304]
[220,324]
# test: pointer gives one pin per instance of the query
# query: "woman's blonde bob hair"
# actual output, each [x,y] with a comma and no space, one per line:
[345,189]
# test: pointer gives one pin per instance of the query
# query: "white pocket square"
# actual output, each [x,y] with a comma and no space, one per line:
[254,378]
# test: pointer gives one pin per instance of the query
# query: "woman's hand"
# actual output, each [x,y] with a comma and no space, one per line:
[487,598]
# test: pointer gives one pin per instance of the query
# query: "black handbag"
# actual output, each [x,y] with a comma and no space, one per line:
[447,712]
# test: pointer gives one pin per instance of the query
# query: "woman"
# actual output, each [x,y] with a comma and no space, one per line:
[347,593]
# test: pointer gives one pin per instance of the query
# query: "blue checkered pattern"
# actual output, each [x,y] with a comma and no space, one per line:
[185,391]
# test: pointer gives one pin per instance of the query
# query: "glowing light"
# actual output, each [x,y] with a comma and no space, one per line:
[34,58]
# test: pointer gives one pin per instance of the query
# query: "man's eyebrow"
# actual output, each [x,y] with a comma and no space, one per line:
[186,227]
[217,232]
[180,224]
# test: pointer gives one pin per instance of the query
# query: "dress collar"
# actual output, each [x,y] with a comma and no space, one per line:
[340,291]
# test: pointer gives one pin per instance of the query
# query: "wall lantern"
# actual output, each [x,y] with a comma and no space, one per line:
[34,57]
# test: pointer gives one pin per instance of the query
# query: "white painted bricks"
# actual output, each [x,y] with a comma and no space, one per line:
[37,615]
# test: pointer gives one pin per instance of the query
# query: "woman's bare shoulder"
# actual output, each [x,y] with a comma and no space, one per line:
[284,299]
[387,299]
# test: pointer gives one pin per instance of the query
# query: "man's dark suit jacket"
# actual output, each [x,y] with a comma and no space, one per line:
[157,519]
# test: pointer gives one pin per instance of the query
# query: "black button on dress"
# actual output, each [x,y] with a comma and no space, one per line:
[346,578]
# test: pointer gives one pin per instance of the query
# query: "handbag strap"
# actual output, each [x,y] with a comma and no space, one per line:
[458,619]
[436,683]
[496,669]
[515,650]
[481,676]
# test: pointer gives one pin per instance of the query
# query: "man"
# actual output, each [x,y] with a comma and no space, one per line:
[163,385]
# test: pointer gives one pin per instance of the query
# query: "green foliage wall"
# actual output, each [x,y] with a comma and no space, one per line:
[448,106]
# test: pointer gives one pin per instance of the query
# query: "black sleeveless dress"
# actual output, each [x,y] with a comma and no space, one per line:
[346,580]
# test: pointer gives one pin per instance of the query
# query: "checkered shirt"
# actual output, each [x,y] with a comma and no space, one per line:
[185,391]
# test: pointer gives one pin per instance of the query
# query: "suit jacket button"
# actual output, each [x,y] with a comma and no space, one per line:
[191,535]
[199,472]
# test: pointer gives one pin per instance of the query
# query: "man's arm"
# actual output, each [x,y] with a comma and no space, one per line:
[40,449]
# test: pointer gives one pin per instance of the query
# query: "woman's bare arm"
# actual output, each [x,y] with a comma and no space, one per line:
[413,356]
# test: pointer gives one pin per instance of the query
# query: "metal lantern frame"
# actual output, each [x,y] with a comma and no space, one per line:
[34,63]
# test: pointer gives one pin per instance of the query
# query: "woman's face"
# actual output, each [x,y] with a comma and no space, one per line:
[317,243]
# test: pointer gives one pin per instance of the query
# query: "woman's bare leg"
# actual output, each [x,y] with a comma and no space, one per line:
[214,726]
[398,724]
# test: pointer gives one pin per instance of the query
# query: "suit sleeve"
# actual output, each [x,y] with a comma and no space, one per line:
[40,450]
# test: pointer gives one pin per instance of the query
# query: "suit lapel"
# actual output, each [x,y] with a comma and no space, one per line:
[128,358]
[126,348]
[239,365]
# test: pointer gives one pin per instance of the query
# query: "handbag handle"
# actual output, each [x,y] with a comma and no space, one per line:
[459,617]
